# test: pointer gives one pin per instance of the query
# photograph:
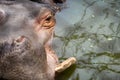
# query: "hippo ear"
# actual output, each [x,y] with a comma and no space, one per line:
[2,16]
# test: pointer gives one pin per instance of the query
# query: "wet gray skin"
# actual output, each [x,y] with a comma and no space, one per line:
[22,52]
[26,31]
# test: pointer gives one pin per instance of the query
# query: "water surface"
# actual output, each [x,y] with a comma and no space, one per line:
[90,31]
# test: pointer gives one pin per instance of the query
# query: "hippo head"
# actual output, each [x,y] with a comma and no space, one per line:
[24,30]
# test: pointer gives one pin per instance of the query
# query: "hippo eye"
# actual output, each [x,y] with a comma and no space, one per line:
[45,20]
[49,21]
[48,18]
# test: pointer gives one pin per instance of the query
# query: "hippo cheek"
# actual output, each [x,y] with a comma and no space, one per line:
[20,61]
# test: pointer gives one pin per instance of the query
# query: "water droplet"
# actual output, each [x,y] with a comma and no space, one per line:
[89,39]
[109,39]
[84,49]
[91,46]
[93,16]
[116,10]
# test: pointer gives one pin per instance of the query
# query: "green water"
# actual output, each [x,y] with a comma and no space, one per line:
[90,31]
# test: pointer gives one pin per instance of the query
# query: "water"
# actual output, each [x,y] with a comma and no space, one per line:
[90,31]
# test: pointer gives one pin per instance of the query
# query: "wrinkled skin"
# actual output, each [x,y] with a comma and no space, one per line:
[55,3]
[26,30]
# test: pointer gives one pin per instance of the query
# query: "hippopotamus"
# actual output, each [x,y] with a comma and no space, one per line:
[26,32]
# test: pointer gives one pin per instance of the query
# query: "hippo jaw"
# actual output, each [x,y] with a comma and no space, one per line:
[20,61]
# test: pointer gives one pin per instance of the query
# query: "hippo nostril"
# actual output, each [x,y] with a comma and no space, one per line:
[20,39]
[2,16]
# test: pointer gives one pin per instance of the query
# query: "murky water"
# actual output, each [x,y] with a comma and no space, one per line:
[90,31]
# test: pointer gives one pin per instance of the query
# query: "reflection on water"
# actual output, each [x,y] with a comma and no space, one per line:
[90,31]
